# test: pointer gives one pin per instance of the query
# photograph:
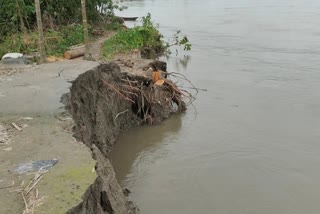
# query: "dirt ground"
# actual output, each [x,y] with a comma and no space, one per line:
[29,97]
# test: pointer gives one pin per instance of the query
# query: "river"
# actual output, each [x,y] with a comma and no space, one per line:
[251,143]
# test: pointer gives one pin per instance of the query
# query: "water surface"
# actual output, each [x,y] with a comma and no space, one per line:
[252,143]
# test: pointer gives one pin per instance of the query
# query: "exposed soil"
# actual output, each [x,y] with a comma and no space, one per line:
[43,138]
[29,97]
[104,103]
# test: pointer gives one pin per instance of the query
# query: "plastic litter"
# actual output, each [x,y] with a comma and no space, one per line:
[41,165]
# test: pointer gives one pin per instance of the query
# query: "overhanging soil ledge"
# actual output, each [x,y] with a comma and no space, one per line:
[104,102]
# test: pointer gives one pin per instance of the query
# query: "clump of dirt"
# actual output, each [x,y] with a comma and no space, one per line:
[104,102]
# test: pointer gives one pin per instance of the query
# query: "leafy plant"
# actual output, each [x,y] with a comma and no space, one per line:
[14,14]
[145,36]
[177,41]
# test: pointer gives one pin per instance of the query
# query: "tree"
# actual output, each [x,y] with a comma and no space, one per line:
[17,14]
[22,26]
[85,29]
[40,32]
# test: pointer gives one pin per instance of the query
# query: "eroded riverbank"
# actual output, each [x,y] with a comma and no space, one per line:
[104,103]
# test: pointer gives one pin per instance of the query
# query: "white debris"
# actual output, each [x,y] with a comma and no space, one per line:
[27,118]
[12,56]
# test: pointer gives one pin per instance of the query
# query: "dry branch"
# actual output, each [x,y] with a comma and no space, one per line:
[183,77]
[30,194]
[116,90]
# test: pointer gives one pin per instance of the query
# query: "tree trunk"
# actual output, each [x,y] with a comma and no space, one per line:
[40,32]
[71,54]
[85,29]
[22,26]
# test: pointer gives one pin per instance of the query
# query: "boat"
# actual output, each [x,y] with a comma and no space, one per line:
[129,18]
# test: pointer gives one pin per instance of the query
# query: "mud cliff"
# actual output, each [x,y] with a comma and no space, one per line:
[104,103]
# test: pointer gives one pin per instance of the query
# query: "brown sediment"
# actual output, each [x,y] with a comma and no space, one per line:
[104,102]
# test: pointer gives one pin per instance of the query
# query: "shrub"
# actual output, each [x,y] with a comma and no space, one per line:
[138,37]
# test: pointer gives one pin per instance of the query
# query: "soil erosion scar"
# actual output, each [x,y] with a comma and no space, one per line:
[105,102]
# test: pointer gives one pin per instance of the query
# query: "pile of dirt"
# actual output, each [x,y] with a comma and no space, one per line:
[104,102]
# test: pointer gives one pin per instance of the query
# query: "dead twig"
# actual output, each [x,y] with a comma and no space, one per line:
[116,90]
[133,81]
[120,113]
[34,204]
[181,76]
[25,203]
[30,194]
[17,127]
[129,92]
[34,184]
[199,89]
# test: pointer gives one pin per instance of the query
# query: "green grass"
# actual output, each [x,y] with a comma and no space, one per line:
[57,41]
[138,37]
[145,36]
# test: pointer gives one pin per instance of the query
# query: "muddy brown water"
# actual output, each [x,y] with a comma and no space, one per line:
[253,143]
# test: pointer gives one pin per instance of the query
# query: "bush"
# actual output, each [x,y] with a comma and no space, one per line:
[58,41]
[145,36]
[139,37]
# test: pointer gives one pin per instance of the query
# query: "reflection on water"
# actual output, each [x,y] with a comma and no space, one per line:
[252,146]
[179,63]
[139,146]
